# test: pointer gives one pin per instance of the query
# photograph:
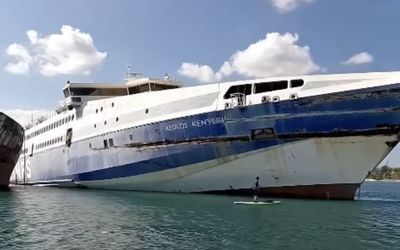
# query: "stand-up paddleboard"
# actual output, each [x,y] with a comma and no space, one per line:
[256,202]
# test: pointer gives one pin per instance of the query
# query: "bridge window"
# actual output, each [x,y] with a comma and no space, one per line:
[66,92]
[76,99]
[158,87]
[269,86]
[295,83]
[98,91]
[149,87]
[241,89]
[139,89]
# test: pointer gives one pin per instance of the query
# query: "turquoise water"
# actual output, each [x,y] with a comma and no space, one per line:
[51,218]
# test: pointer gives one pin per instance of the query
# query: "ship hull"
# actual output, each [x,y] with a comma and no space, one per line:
[317,191]
[11,140]
[327,168]
[322,146]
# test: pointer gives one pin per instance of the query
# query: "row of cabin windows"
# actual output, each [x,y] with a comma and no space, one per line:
[105,122]
[262,87]
[110,142]
[51,126]
[101,108]
[49,142]
[106,143]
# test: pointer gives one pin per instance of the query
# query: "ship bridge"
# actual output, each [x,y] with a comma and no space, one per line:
[77,94]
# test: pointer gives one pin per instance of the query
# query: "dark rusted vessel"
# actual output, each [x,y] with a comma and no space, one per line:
[11,141]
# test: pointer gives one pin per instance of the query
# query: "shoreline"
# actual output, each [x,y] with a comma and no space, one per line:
[382,180]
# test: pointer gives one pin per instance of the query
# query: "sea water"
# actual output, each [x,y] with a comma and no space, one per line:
[55,218]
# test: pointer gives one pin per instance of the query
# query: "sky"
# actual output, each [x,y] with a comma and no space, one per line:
[44,43]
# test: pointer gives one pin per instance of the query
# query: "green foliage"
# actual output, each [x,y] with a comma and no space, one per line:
[385,172]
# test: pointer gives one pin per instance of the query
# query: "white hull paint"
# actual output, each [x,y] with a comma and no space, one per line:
[335,160]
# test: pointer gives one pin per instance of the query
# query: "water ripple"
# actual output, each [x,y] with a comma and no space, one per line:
[49,218]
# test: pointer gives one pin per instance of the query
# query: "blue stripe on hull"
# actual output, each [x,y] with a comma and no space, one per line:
[306,114]
[193,154]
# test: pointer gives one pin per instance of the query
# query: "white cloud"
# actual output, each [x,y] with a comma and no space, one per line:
[360,58]
[203,73]
[24,117]
[284,6]
[68,52]
[21,60]
[275,55]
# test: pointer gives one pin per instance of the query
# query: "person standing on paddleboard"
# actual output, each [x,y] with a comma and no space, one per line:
[255,189]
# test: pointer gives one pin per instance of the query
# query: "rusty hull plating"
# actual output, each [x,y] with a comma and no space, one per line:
[11,140]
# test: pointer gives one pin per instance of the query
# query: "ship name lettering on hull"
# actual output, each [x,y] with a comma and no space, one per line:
[176,126]
[195,123]
[207,122]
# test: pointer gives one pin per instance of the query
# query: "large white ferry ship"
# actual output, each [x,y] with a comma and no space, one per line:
[315,136]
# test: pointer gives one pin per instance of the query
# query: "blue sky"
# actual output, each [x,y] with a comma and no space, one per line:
[160,36]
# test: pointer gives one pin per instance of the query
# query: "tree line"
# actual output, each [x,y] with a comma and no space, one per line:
[385,172]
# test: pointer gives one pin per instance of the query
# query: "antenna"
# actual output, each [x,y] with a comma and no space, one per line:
[130,74]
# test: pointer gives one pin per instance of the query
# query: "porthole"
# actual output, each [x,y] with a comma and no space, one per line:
[105,122]
[97,111]
[293,96]
[90,145]
[265,99]
[275,99]
[117,119]
[101,109]
[112,105]
[131,137]
[146,111]
[94,126]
